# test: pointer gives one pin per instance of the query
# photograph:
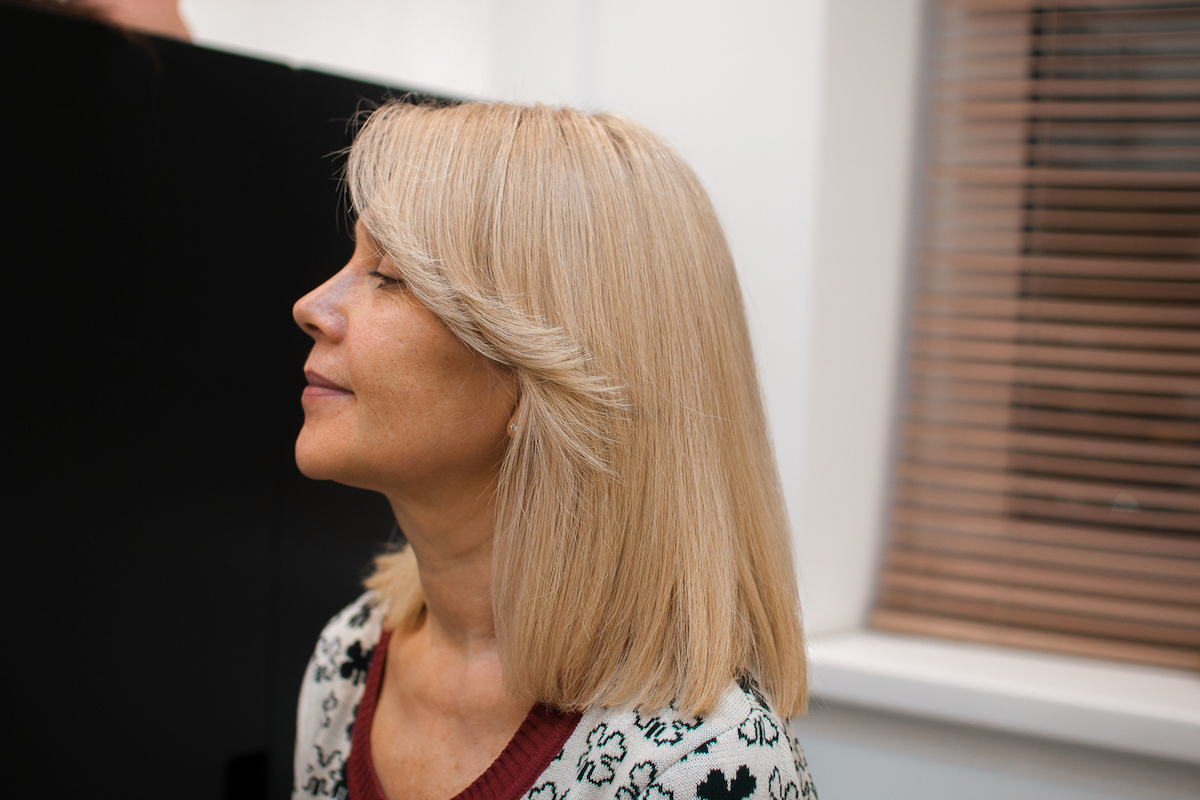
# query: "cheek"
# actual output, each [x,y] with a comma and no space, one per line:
[421,403]
[425,401]
[443,403]
[403,385]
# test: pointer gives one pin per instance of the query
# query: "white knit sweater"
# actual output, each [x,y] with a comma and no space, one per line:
[740,750]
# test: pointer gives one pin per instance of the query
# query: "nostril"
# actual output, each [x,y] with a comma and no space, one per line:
[319,317]
[302,314]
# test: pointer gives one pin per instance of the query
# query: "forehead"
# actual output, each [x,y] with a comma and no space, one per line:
[364,242]
[361,234]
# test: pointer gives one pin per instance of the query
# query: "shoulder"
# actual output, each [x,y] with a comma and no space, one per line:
[333,684]
[740,750]
[345,639]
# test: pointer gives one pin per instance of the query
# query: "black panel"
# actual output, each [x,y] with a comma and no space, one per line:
[168,569]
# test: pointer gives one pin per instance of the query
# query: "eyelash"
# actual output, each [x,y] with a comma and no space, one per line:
[385,280]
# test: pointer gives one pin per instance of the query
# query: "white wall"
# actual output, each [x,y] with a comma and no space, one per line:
[859,754]
[430,44]
[868,118]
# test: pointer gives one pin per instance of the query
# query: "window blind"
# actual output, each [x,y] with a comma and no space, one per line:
[1046,492]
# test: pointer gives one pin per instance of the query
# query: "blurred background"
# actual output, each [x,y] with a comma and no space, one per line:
[892,193]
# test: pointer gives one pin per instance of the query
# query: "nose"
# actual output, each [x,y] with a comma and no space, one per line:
[321,313]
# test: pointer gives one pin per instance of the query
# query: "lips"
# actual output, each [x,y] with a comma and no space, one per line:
[320,386]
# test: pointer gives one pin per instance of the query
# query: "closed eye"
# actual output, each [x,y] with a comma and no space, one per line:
[386,280]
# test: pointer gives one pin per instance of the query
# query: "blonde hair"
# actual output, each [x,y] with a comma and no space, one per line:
[642,553]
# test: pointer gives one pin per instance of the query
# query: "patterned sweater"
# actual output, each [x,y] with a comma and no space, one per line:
[739,751]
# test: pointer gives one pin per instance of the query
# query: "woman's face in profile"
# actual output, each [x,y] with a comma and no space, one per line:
[395,402]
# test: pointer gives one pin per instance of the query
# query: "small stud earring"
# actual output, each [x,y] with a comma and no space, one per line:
[512,428]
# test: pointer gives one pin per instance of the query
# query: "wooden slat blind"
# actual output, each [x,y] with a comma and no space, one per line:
[1047,490]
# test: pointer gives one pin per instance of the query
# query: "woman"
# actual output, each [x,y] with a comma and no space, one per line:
[538,354]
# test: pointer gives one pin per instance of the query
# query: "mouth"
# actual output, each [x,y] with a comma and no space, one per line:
[320,386]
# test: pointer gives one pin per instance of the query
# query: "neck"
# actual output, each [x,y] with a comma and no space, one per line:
[453,548]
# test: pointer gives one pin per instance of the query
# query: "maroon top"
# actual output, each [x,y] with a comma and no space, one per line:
[525,757]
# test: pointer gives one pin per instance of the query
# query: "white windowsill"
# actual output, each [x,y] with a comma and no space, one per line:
[1144,710]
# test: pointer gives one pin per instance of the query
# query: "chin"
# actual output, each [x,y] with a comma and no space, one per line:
[321,460]
[313,458]
[311,468]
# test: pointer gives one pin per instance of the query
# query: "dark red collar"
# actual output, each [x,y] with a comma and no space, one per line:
[532,748]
